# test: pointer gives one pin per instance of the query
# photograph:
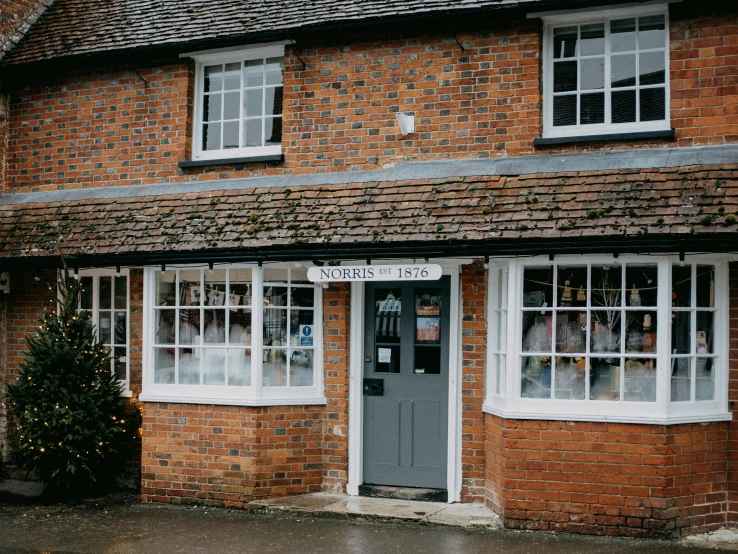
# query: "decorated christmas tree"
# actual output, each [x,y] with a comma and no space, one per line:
[72,431]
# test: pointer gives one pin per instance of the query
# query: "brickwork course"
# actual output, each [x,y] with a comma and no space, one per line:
[99,120]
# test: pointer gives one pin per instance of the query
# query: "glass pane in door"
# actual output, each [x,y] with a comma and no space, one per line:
[387,330]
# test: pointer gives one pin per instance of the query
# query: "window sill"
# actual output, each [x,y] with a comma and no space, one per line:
[231,161]
[316,401]
[645,419]
[668,134]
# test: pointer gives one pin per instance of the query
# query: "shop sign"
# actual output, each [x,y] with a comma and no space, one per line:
[400,272]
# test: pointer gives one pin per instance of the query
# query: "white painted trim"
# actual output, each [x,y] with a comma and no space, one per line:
[218,54]
[675,420]
[356,398]
[455,378]
[153,397]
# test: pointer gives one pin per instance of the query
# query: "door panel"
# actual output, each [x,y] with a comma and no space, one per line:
[406,345]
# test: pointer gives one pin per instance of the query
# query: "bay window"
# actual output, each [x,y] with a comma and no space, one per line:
[233,335]
[630,339]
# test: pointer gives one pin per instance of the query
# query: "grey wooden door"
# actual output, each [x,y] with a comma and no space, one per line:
[406,347]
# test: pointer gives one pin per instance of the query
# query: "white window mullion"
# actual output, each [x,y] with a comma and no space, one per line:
[693,335]
[257,330]
[663,313]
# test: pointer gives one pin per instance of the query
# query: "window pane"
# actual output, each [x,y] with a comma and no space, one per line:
[640,332]
[604,379]
[163,366]
[535,377]
[211,136]
[652,68]
[537,286]
[240,328]
[302,297]
[121,292]
[640,381]
[120,332]
[164,323]
[165,288]
[653,104]
[537,332]
[593,39]
[302,328]
[213,366]
[705,286]
[253,73]
[230,134]
[705,389]
[85,299]
[681,333]
[652,32]
[253,102]
[275,367]
[605,331]
[570,378]
[239,366]
[301,368]
[705,333]
[105,300]
[189,288]
[240,292]
[275,327]
[565,110]
[120,365]
[681,286]
[189,366]
[572,287]
[214,327]
[231,108]
[571,335]
[274,71]
[275,276]
[565,42]
[593,74]
[592,109]
[565,76]
[622,35]
[252,132]
[624,106]
[213,78]
[273,130]
[607,286]
[273,101]
[104,326]
[232,78]
[212,107]
[189,327]
[623,71]
[681,380]
[642,285]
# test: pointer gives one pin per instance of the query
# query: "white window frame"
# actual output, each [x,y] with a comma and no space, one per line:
[95,274]
[256,394]
[593,16]
[663,410]
[224,56]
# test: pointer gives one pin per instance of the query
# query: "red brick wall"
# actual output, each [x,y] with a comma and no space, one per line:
[107,127]
[608,479]
[228,456]
[473,356]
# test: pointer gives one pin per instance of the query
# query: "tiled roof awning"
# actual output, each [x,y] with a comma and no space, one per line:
[500,213]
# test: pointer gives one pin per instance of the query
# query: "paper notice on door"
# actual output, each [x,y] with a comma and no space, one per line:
[384,355]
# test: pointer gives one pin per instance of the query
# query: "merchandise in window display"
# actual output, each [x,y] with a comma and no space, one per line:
[635,297]
[649,336]
[566,296]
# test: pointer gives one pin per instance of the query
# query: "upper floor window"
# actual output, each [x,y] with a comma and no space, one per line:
[606,72]
[238,104]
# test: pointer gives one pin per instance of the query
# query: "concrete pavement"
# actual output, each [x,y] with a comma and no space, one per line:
[121,525]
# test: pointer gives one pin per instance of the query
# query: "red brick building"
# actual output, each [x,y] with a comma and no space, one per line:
[525,296]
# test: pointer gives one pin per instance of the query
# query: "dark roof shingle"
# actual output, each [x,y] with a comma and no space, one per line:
[79,27]
[495,210]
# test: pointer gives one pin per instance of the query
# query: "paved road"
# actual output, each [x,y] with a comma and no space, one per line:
[109,527]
